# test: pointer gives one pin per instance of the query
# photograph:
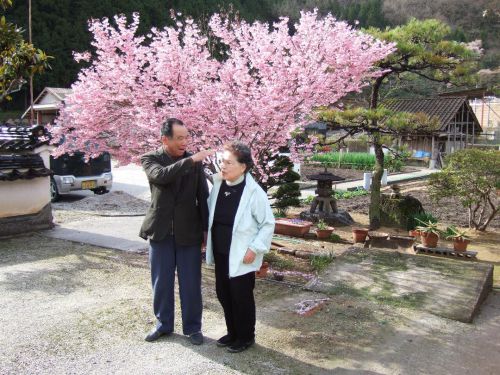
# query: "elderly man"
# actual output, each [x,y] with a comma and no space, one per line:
[176,225]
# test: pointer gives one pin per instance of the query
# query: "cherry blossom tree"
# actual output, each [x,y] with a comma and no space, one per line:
[264,85]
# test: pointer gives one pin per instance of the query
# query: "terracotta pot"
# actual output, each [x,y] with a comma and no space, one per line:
[262,272]
[324,234]
[460,245]
[289,228]
[359,234]
[429,239]
[414,233]
[378,235]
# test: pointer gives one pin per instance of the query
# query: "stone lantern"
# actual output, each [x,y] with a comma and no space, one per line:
[324,205]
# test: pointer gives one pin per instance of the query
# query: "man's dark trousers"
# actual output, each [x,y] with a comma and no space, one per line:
[165,257]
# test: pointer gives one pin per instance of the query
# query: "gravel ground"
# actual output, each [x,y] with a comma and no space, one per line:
[114,203]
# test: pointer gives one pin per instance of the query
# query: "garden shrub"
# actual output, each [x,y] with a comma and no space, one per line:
[341,194]
[472,176]
[288,193]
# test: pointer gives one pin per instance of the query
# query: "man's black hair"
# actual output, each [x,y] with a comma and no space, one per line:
[167,127]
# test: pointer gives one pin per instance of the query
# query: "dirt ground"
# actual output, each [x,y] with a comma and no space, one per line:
[447,211]
[69,308]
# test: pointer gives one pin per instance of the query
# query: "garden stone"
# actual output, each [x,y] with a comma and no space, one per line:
[445,287]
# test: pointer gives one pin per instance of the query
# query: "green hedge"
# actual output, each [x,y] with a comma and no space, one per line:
[359,160]
[350,160]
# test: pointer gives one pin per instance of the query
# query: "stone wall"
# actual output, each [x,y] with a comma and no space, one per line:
[26,223]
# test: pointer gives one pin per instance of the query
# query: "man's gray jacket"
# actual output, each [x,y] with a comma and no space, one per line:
[179,194]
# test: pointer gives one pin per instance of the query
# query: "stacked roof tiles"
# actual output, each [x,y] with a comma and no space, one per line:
[17,160]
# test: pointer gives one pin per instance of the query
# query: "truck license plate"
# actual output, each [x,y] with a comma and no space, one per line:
[90,184]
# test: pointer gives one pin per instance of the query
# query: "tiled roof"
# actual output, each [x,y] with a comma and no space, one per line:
[60,92]
[25,167]
[22,138]
[445,108]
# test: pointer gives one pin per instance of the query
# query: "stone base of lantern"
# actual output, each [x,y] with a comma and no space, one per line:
[338,218]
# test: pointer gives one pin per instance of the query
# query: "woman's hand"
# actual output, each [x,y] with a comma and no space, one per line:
[249,257]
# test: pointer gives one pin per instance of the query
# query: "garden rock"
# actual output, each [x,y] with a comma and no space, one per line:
[399,211]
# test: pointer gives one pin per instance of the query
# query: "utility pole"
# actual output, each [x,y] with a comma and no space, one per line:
[32,112]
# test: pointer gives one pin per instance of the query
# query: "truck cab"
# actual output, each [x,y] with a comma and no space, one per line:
[73,173]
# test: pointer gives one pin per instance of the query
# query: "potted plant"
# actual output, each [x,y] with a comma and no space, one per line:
[459,237]
[429,233]
[414,233]
[292,227]
[419,218]
[262,272]
[323,231]
[359,234]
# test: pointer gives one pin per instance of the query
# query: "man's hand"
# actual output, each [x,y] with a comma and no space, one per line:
[200,156]
[249,257]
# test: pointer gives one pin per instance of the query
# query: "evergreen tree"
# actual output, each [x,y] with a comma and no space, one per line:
[19,60]
[421,50]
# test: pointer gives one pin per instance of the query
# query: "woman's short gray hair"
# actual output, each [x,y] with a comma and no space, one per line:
[242,153]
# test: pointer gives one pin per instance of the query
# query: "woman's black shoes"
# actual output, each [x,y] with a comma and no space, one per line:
[224,341]
[234,346]
[239,346]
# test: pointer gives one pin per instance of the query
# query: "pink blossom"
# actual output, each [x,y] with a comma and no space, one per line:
[265,88]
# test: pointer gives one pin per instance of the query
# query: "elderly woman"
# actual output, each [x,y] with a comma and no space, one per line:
[241,226]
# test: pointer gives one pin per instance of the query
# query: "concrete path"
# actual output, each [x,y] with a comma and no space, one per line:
[391,179]
[119,233]
[132,180]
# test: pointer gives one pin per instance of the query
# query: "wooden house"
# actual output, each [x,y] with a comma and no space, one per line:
[46,105]
[458,129]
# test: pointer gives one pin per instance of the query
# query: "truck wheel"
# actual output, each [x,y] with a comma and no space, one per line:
[100,191]
[54,193]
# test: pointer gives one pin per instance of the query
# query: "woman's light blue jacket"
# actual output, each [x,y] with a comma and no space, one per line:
[253,226]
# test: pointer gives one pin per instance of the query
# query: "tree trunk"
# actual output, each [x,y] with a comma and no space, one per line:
[374,211]
[494,211]
[376,183]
